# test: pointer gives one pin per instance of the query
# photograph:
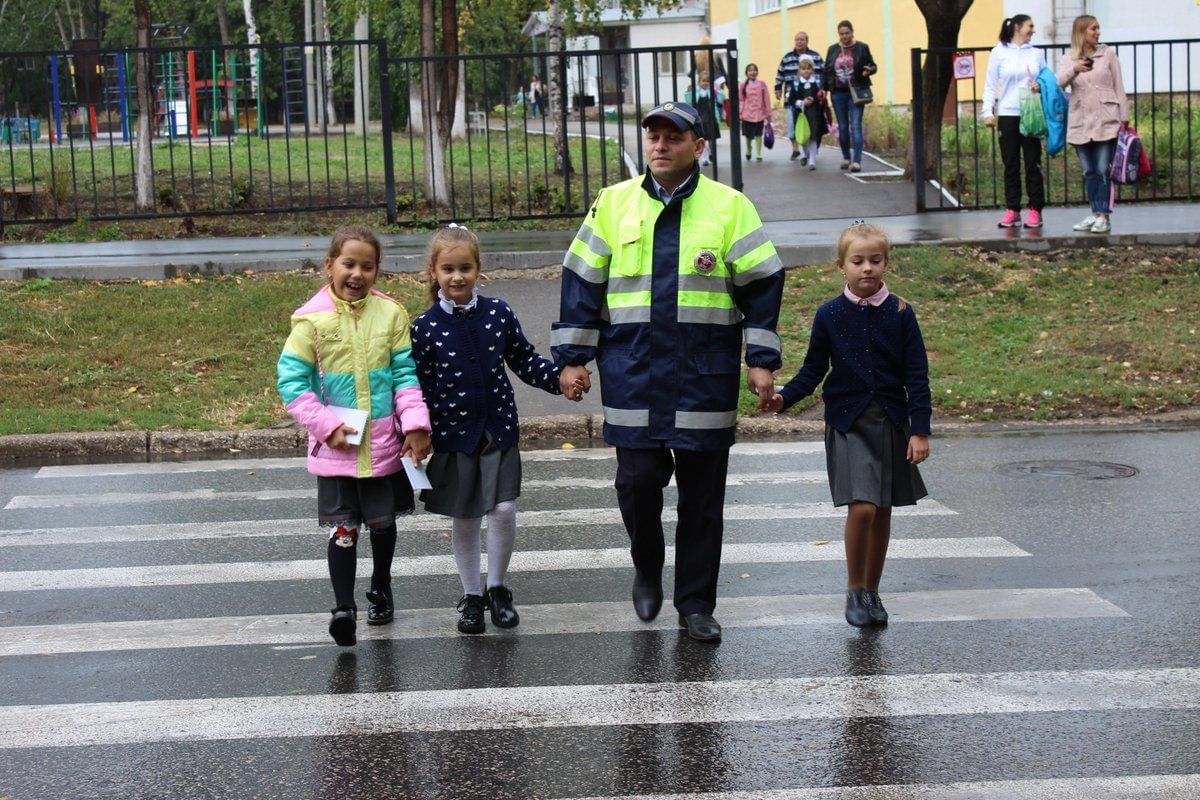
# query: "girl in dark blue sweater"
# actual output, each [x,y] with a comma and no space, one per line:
[461,345]
[877,409]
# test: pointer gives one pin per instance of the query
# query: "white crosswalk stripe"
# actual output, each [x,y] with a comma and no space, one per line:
[417,522]
[561,706]
[522,561]
[562,618]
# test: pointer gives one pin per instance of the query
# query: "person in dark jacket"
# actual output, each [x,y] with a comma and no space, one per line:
[788,69]
[849,64]
[877,409]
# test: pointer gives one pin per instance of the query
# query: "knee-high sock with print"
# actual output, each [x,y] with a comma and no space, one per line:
[342,555]
[501,534]
[383,549]
[464,538]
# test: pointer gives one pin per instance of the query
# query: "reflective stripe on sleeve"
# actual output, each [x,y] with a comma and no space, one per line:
[764,338]
[576,263]
[593,241]
[745,245]
[704,420]
[588,337]
[709,316]
[627,417]
[765,268]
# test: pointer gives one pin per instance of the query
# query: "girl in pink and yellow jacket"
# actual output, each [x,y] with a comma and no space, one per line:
[350,348]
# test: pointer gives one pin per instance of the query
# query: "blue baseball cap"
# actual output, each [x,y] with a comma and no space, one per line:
[683,116]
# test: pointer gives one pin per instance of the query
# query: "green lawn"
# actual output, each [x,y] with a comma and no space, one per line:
[1009,336]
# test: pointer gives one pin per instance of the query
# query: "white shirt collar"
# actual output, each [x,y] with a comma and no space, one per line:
[449,305]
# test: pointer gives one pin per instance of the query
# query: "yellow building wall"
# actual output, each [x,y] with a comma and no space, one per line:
[891,27]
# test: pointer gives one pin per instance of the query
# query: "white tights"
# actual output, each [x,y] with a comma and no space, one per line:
[501,535]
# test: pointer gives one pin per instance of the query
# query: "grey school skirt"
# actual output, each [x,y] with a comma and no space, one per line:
[467,485]
[869,463]
[374,502]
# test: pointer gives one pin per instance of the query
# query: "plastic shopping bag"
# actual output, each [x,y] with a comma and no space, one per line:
[803,130]
[1033,118]
[768,134]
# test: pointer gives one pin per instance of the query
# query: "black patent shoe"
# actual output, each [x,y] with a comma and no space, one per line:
[342,625]
[647,597]
[857,613]
[470,609]
[875,609]
[379,608]
[701,627]
[500,604]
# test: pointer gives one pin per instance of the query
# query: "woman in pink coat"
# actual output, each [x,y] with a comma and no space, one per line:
[1097,110]
[755,109]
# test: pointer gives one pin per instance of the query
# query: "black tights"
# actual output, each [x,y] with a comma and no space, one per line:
[343,559]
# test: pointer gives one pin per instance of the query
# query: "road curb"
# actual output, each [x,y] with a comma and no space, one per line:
[551,430]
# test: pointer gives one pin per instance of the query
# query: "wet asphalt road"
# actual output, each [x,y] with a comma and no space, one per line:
[1043,644]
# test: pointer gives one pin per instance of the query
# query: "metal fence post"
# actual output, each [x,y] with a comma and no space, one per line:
[735,124]
[918,130]
[385,118]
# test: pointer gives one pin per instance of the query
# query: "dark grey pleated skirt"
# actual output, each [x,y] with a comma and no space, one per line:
[374,502]
[869,463]
[469,485]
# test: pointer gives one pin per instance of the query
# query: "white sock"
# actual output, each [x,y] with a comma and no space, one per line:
[464,538]
[501,535]
[812,150]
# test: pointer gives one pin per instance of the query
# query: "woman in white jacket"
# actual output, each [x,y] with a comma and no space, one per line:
[1012,64]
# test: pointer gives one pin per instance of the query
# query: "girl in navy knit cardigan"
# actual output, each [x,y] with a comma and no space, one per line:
[461,345]
[877,409]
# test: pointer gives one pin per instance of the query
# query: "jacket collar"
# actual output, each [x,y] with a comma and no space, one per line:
[684,189]
[342,305]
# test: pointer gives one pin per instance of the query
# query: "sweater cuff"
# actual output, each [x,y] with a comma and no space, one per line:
[919,425]
[790,397]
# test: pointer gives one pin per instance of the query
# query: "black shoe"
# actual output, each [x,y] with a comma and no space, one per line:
[647,597]
[500,604]
[857,613]
[795,155]
[875,609]
[379,607]
[747,156]
[804,161]
[701,627]
[470,618]
[342,626]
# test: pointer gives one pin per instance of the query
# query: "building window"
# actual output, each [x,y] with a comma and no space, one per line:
[765,6]
[794,3]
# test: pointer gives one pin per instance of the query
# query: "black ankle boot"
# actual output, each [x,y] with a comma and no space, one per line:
[379,607]
[500,604]
[856,608]
[875,609]
[342,625]
[470,609]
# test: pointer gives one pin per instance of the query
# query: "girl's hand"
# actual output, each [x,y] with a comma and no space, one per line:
[990,122]
[808,101]
[337,439]
[774,404]
[416,444]
[918,448]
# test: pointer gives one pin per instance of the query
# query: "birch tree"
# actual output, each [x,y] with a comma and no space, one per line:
[145,114]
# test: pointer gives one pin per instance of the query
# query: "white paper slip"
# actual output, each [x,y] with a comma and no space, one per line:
[355,419]
[416,474]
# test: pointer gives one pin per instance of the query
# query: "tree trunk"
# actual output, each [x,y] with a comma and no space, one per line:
[558,92]
[145,110]
[435,153]
[330,115]
[448,77]
[62,32]
[252,38]
[223,28]
[362,74]
[943,21]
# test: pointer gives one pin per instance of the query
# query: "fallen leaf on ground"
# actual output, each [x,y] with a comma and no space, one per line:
[820,542]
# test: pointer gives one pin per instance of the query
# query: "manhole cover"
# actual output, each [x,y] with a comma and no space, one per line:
[1090,470]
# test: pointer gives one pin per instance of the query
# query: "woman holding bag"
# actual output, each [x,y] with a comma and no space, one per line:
[1013,64]
[848,70]
[1097,111]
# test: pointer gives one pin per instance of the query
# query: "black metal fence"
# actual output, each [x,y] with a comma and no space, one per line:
[1161,80]
[312,126]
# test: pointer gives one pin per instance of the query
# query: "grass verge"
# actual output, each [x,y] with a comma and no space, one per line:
[1046,336]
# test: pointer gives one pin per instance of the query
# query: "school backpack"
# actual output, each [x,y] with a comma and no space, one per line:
[1054,108]
[1128,158]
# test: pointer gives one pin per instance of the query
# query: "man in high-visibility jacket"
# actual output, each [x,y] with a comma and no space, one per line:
[667,274]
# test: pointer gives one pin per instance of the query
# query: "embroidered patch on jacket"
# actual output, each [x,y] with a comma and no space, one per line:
[706,262]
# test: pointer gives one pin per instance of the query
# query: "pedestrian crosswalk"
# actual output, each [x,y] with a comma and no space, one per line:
[189,616]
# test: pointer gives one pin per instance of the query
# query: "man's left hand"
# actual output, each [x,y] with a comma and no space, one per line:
[762,382]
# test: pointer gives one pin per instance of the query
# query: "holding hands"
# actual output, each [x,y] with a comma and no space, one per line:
[416,445]
[575,381]
[762,383]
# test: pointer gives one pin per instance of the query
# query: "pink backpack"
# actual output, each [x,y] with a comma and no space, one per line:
[1129,160]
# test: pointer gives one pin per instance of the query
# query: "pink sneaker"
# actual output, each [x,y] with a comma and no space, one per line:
[1033,219]
[1011,219]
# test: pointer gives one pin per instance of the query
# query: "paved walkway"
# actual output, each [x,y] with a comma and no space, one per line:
[799,241]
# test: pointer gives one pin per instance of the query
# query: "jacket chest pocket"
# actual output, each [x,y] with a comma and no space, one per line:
[627,255]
